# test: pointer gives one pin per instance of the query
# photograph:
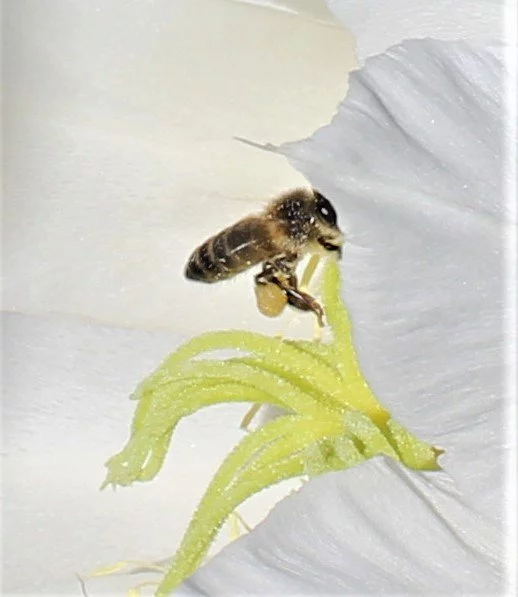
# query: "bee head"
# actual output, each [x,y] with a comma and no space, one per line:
[308,217]
[327,233]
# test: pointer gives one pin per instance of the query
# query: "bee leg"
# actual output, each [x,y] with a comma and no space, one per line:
[270,296]
[281,274]
[305,302]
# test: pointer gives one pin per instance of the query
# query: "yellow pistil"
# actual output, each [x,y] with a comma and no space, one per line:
[333,420]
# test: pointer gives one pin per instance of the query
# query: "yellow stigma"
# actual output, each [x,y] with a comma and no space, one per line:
[333,420]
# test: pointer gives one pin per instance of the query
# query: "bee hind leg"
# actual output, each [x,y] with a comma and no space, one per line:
[305,302]
[281,275]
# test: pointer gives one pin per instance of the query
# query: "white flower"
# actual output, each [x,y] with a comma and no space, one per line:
[112,176]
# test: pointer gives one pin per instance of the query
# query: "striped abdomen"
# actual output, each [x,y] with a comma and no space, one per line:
[232,251]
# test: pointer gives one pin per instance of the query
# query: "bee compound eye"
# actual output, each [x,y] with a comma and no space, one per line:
[325,210]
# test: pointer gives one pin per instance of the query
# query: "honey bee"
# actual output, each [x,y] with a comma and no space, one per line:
[296,223]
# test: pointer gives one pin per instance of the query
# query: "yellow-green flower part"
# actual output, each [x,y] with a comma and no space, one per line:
[333,420]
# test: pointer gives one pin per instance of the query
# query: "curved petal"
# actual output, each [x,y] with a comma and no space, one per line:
[396,20]
[374,529]
[120,118]
[422,203]
[413,160]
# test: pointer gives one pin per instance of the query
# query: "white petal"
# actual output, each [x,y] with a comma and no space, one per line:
[379,25]
[65,412]
[413,160]
[375,529]
[121,158]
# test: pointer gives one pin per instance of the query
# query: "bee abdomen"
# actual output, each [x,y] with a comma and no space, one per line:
[231,252]
[201,264]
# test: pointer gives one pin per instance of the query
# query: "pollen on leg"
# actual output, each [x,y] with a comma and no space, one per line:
[271,300]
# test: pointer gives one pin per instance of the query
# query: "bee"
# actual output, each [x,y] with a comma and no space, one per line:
[296,223]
